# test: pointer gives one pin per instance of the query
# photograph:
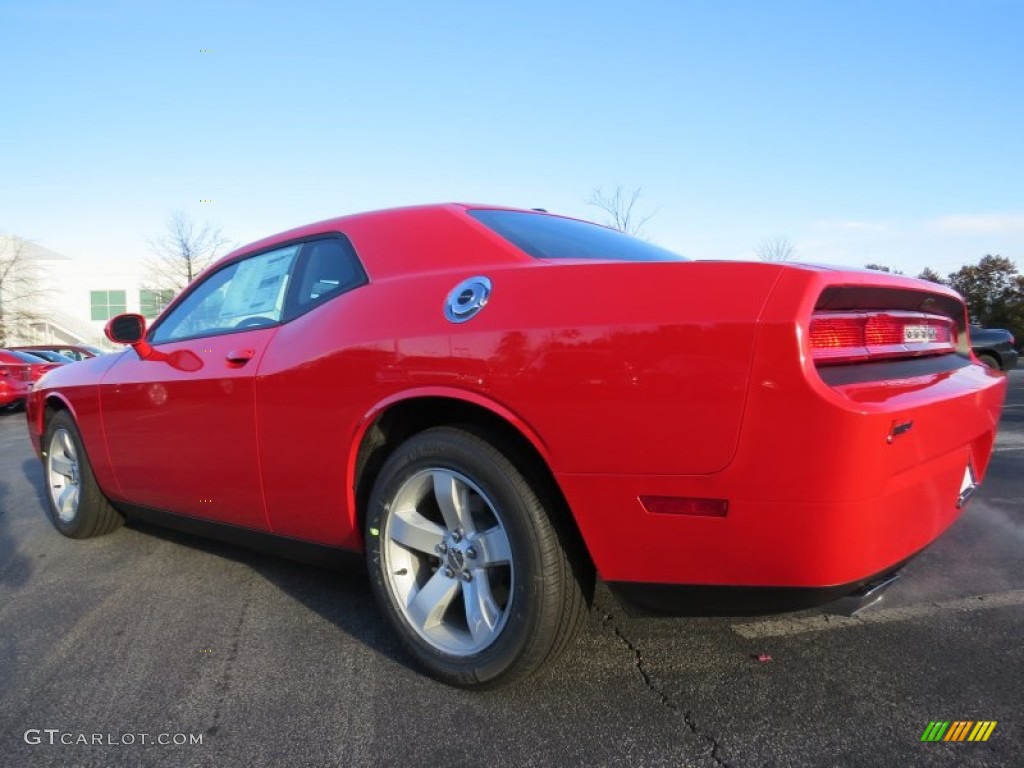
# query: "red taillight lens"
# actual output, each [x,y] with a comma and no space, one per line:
[846,337]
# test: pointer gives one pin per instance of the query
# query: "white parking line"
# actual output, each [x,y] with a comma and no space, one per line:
[1009,441]
[784,627]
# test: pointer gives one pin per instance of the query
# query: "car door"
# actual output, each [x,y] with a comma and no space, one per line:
[181,426]
[311,362]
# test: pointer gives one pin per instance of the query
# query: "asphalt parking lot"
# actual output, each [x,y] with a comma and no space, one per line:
[148,636]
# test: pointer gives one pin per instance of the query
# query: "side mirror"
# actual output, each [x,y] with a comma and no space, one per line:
[131,329]
[126,329]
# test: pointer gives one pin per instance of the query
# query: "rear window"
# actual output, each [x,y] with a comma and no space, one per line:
[551,237]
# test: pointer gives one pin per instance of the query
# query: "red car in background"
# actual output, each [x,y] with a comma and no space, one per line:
[493,407]
[73,351]
[30,367]
[18,371]
[50,356]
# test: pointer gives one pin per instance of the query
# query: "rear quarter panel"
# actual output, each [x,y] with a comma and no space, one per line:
[609,367]
[817,493]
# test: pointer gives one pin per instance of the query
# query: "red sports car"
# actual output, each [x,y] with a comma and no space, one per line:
[494,406]
[30,367]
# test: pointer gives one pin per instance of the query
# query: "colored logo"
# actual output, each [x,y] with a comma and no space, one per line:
[958,730]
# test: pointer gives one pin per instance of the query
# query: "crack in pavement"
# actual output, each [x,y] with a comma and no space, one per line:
[225,683]
[607,620]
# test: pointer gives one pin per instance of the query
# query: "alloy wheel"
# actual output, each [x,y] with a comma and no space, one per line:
[448,561]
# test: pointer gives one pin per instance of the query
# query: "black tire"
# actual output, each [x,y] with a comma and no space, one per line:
[76,505]
[521,593]
[990,360]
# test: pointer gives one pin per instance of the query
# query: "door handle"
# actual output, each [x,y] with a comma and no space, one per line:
[240,356]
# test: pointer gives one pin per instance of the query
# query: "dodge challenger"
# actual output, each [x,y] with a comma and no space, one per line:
[492,408]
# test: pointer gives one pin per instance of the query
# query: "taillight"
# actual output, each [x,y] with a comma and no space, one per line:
[847,337]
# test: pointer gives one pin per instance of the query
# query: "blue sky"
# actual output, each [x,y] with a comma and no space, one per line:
[862,131]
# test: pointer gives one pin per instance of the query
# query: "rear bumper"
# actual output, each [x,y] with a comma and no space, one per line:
[14,392]
[821,493]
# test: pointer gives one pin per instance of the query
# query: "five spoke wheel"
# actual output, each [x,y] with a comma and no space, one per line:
[449,561]
[76,504]
[465,561]
[62,475]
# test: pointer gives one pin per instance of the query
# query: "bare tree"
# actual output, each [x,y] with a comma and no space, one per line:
[619,209]
[20,289]
[185,250]
[775,249]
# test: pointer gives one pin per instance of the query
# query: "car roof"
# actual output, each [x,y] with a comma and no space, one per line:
[401,241]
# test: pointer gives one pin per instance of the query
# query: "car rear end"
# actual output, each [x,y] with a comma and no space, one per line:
[892,429]
[866,427]
[15,382]
[36,366]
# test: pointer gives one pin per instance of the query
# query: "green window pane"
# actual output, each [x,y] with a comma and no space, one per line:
[103,305]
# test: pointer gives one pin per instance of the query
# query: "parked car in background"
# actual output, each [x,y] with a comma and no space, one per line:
[50,357]
[14,386]
[493,407]
[74,351]
[994,347]
[26,361]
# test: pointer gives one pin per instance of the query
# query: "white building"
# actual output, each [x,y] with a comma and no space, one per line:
[76,298]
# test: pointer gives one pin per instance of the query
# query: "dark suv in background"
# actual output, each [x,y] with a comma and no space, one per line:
[994,347]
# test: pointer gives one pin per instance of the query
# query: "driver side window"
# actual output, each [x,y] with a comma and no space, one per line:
[246,294]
